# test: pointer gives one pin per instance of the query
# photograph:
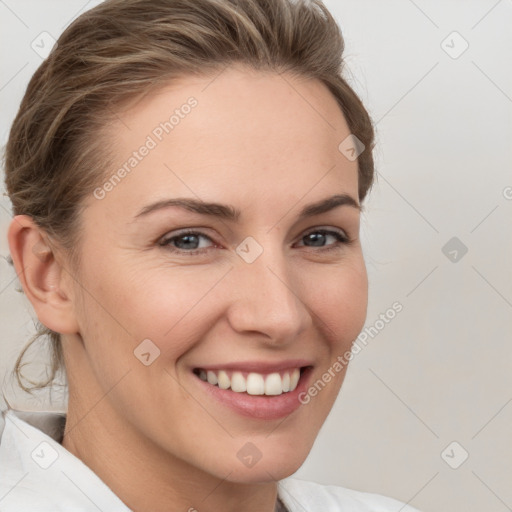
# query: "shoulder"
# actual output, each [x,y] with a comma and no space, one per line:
[302,495]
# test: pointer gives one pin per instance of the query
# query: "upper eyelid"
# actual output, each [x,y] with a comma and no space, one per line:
[199,232]
[324,228]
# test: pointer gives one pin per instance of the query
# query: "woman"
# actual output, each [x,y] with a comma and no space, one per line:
[187,178]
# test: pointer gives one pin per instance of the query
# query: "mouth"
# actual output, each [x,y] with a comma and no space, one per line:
[256,391]
[253,383]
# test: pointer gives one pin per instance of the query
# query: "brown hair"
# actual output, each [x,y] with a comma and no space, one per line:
[123,49]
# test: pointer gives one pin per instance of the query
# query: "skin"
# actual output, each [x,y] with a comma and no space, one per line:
[267,145]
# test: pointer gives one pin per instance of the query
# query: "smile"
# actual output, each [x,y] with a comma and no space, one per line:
[252,383]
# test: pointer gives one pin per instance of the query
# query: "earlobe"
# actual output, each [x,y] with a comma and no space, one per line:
[44,280]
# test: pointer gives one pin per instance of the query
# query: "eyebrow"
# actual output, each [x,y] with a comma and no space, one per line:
[230,213]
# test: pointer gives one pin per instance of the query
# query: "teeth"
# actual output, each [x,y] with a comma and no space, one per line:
[238,383]
[273,384]
[255,384]
[211,377]
[224,382]
[286,382]
[294,378]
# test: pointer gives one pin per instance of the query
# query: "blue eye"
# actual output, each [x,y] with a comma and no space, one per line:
[318,236]
[184,241]
[189,242]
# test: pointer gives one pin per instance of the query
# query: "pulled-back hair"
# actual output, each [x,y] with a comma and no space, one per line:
[123,49]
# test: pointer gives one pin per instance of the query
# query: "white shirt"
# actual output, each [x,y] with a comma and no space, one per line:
[37,474]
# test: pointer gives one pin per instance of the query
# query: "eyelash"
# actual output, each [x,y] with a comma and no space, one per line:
[341,238]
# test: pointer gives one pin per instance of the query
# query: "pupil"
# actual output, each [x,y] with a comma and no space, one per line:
[187,238]
[316,237]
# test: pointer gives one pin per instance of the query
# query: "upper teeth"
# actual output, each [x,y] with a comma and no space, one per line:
[254,383]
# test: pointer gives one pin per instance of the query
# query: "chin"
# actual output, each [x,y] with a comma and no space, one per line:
[265,461]
[263,472]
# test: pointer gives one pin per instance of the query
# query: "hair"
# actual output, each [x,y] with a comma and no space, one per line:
[123,49]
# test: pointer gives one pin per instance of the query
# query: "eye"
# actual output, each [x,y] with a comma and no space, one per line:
[318,237]
[183,242]
[189,242]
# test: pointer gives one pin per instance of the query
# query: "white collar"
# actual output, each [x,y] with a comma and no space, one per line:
[37,471]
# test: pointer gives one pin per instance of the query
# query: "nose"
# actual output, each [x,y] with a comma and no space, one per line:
[266,298]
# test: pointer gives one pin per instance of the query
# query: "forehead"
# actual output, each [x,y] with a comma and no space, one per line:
[241,134]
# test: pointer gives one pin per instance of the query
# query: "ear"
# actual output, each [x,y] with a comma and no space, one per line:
[46,283]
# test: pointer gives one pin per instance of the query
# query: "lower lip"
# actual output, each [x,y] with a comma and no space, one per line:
[259,406]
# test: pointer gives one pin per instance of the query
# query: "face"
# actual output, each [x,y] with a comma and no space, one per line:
[254,294]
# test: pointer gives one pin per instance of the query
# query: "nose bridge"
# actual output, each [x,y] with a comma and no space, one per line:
[267,296]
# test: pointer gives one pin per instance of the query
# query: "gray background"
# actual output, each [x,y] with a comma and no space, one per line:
[439,372]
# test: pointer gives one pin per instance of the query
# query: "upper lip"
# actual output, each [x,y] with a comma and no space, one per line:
[257,366]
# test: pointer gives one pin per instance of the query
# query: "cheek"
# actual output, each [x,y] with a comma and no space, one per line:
[164,305]
[339,298]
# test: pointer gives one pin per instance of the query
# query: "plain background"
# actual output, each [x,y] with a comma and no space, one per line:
[434,385]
